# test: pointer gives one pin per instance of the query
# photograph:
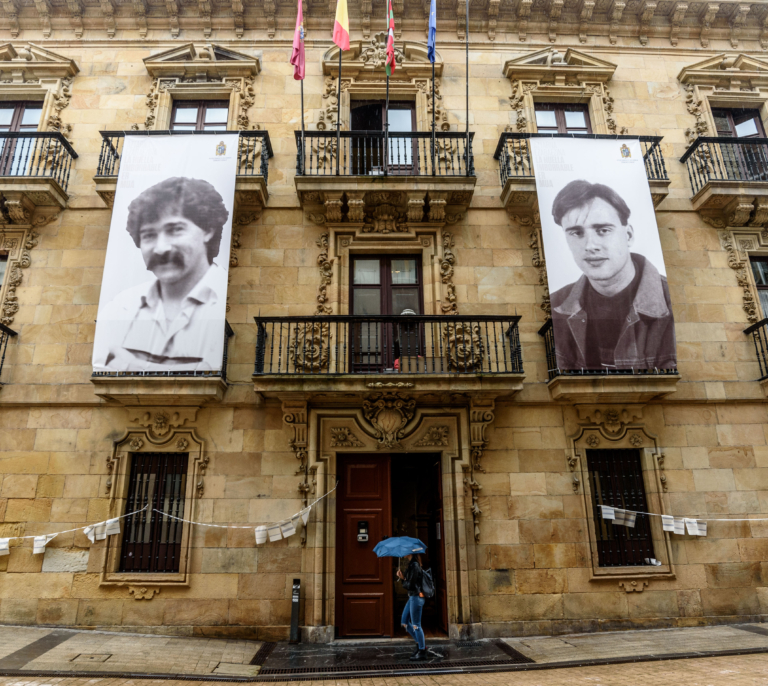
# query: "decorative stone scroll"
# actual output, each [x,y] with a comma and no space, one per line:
[737,245]
[446,276]
[17,242]
[388,414]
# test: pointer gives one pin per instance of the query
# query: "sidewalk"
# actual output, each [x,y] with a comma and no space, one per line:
[62,652]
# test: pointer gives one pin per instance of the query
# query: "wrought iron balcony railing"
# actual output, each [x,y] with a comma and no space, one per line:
[5,335]
[759,332]
[228,333]
[36,154]
[726,159]
[516,162]
[370,153]
[547,332]
[253,153]
[407,344]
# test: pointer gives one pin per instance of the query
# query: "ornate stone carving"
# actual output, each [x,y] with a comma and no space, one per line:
[355,207]
[160,421]
[202,467]
[415,207]
[464,343]
[593,440]
[662,475]
[634,586]
[136,444]
[60,102]
[611,420]
[437,202]
[748,299]
[474,488]
[389,384]
[342,437]
[143,592]
[388,414]
[375,53]
[295,416]
[539,263]
[610,120]
[695,108]
[326,276]
[15,276]
[446,276]
[678,13]
[435,436]
[182,444]
[315,217]
[386,219]
[636,440]
[481,414]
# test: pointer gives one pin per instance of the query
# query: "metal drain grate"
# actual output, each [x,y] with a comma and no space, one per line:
[263,653]
[517,657]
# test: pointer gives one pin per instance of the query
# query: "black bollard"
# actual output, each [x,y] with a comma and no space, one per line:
[295,610]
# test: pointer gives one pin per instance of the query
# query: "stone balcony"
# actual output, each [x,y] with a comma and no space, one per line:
[416,177]
[518,180]
[729,177]
[35,167]
[254,152]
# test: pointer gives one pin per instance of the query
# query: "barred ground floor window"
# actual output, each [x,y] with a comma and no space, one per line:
[616,480]
[152,539]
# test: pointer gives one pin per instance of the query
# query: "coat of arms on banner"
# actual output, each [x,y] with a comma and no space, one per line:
[625,153]
[221,149]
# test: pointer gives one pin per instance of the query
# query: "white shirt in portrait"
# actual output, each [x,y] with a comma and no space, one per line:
[140,337]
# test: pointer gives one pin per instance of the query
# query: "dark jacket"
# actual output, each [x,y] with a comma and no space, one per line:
[647,338]
[413,577]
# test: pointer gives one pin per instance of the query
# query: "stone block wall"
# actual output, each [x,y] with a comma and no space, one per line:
[532,564]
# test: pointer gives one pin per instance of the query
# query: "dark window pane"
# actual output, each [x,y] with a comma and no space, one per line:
[760,272]
[367,301]
[403,272]
[616,480]
[367,272]
[152,540]
[405,299]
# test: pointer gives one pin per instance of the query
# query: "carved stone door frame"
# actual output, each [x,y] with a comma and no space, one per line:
[430,430]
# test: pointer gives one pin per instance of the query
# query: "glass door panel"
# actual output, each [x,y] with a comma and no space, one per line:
[366,336]
[400,149]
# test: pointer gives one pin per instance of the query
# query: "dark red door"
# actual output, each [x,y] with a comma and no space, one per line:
[363,581]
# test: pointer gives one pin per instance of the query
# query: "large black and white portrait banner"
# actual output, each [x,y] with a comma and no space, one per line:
[163,297]
[610,300]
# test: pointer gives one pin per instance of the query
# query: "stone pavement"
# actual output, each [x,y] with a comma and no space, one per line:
[746,670]
[46,651]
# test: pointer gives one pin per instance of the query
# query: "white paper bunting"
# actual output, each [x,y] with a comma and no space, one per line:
[305,515]
[608,512]
[261,535]
[274,533]
[40,542]
[668,523]
[702,527]
[90,533]
[679,525]
[624,517]
[287,529]
[112,527]
[692,527]
[4,545]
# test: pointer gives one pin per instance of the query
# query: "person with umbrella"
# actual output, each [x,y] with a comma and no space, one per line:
[410,549]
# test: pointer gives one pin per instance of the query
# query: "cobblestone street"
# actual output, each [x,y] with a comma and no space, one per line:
[748,670]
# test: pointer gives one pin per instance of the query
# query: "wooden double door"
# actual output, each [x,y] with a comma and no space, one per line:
[367,598]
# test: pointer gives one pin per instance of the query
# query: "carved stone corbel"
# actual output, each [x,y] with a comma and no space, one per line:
[356,205]
[415,206]
[333,205]
[295,415]
[481,414]
[678,13]
[388,414]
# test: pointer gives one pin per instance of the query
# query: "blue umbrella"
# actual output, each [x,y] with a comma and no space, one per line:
[399,546]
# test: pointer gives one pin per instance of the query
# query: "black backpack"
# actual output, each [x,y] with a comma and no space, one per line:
[427,583]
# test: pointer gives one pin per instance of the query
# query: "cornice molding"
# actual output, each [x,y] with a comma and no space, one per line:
[202,63]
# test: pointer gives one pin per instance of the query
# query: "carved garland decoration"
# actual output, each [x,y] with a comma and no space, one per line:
[295,415]
[22,241]
[749,304]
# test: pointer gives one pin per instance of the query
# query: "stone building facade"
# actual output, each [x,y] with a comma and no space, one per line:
[518,538]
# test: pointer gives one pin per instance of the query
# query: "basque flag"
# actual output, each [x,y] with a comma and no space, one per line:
[341,26]
[432,31]
[391,63]
[297,57]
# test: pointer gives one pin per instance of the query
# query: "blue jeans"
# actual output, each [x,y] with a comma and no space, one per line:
[412,619]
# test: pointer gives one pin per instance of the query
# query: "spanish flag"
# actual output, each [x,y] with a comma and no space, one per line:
[341,26]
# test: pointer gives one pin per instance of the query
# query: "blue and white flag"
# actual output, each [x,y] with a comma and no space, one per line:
[432,31]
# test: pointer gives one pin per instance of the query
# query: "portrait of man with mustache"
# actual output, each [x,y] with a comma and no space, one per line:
[618,315]
[168,323]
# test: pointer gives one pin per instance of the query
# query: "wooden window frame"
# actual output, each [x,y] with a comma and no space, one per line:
[385,280]
[560,108]
[732,113]
[202,107]
[20,106]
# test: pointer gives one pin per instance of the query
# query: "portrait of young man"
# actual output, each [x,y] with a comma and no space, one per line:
[618,314]
[174,321]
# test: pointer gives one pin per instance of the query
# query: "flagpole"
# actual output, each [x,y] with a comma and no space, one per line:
[433,118]
[303,151]
[466,35]
[386,131]
[338,117]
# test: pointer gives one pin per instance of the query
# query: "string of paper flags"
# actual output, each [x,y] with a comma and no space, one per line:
[675,525]
[274,532]
[94,532]
[111,527]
